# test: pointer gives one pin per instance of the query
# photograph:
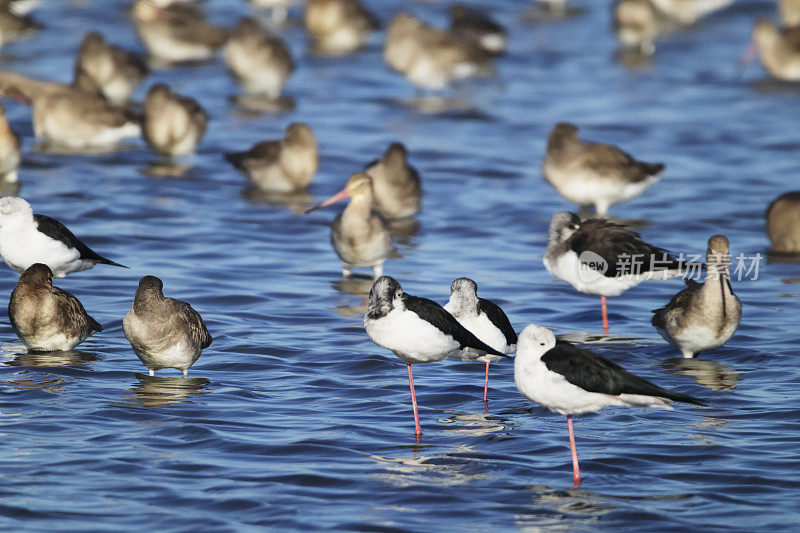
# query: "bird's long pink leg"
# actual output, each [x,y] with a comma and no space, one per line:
[605,314]
[417,427]
[576,473]
[486,383]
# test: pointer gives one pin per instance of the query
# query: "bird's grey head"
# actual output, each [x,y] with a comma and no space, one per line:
[150,287]
[463,297]
[14,208]
[563,225]
[395,155]
[385,294]
[37,274]
[562,135]
[535,341]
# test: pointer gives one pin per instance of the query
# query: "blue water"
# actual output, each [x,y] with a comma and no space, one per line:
[293,419]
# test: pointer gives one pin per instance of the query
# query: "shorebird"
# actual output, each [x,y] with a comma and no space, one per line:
[164,332]
[70,117]
[599,257]
[688,11]
[398,193]
[112,70]
[790,12]
[703,316]
[359,236]
[176,32]
[14,25]
[484,319]
[572,381]
[259,60]
[779,50]
[10,156]
[283,165]
[27,238]
[416,329]
[46,318]
[338,26]
[783,223]
[594,173]
[636,25]
[478,28]
[172,124]
[429,57]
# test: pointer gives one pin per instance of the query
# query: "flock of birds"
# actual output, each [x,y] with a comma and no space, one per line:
[94,111]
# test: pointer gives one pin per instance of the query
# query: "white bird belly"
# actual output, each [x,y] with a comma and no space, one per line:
[411,338]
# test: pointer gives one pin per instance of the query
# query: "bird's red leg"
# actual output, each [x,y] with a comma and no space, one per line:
[486,383]
[576,473]
[417,427]
[605,314]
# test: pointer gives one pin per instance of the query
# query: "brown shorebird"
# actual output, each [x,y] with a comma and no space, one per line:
[259,60]
[10,156]
[485,320]
[594,173]
[284,165]
[14,26]
[783,223]
[478,28]
[599,257]
[636,25]
[359,236]
[108,68]
[790,12]
[396,183]
[172,124]
[70,117]
[46,318]
[429,57]
[703,316]
[688,11]
[177,32]
[27,238]
[779,50]
[338,27]
[571,381]
[164,332]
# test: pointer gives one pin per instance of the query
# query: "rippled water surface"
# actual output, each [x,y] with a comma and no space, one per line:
[293,419]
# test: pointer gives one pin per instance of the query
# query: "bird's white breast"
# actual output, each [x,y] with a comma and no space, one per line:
[411,338]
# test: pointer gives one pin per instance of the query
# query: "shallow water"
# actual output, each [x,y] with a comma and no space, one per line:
[292,418]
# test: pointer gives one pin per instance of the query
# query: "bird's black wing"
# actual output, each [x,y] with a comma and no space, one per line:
[593,373]
[622,249]
[58,231]
[499,319]
[434,313]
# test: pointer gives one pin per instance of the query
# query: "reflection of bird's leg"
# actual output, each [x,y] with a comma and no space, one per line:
[605,314]
[576,473]
[152,373]
[486,382]
[185,372]
[347,270]
[417,427]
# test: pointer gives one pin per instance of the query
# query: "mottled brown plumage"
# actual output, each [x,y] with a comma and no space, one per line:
[172,124]
[396,183]
[259,60]
[779,49]
[783,223]
[112,70]
[10,155]
[594,173]
[47,318]
[338,26]
[164,332]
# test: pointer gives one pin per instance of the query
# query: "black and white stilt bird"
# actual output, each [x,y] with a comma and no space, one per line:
[597,256]
[703,316]
[46,318]
[164,332]
[571,381]
[416,329]
[27,238]
[484,319]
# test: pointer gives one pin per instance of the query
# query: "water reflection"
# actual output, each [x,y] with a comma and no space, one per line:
[473,424]
[559,509]
[156,391]
[59,149]
[633,59]
[47,383]
[709,374]
[258,104]
[51,359]
[354,286]
[296,202]
[403,230]
[448,469]
[546,12]
[164,168]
